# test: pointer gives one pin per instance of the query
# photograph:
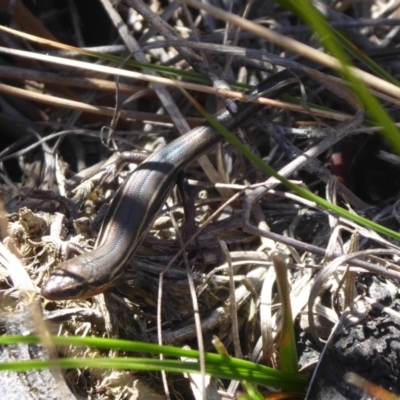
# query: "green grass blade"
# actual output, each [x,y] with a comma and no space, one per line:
[216,365]
[356,53]
[306,11]
[305,193]
[287,348]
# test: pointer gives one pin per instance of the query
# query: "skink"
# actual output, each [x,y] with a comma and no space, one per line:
[135,206]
